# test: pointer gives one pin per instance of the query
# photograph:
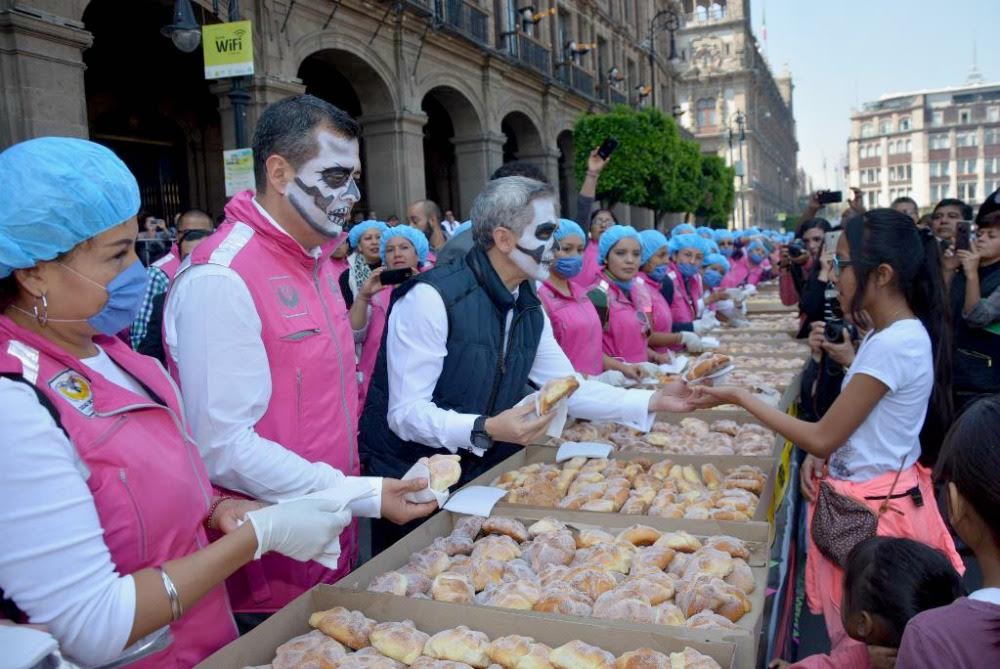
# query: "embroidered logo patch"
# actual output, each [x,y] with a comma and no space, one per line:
[74,389]
[287,297]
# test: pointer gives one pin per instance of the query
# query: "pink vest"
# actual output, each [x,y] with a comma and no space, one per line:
[576,326]
[662,319]
[377,320]
[170,263]
[148,482]
[314,389]
[340,265]
[686,295]
[591,268]
[742,272]
[626,333]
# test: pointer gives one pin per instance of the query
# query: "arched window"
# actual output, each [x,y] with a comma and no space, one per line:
[892,148]
[701,13]
[904,124]
[705,112]
[867,130]
[716,10]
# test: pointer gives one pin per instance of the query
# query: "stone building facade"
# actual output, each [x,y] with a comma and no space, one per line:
[728,98]
[446,90]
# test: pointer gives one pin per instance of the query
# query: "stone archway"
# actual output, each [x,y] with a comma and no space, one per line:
[524,141]
[567,180]
[454,165]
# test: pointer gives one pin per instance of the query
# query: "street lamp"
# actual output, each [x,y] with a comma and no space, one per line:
[184,32]
[665,19]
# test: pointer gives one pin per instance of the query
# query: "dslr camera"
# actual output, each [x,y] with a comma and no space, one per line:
[796,249]
[833,316]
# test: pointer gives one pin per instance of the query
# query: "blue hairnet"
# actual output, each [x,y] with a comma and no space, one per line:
[705,232]
[467,225]
[756,244]
[711,246]
[56,193]
[716,259]
[682,229]
[354,236]
[612,236]
[412,235]
[688,241]
[651,241]
[567,228]
[723,236]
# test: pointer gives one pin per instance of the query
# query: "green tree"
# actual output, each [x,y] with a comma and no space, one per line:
[717,191]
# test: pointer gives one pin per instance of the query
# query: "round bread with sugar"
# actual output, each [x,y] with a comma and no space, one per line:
[616,556]
[564,599]
[290,654]
[468,527]
[656,587]
[424,662]
[640,535]
[680,541]
[325,655]
[458,545]
[711,475]
[707,561]
[741,576]
[707,364]
[416,581]
[430,561]
[545,526]
[709,620]
[366,661]
[730,427]
[652,559]
[600,505]
[555,391]
[452,587]
[401,641]
[580,655]
[391,582]
[731,545]
[537,658]
[518,595]
[519,570]
[668,613]
[591,537]
[460,644]
[591,581]
[689,658]
[614,606]
[496,546]
[643,658]
[445,471]
[350,628]
[507,650]
[511,527]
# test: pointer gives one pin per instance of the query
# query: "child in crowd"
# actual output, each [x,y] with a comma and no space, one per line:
[966,633]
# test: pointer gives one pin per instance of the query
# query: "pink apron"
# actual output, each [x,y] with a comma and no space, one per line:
[576,326]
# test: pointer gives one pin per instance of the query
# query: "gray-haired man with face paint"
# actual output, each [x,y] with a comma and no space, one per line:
[462,342]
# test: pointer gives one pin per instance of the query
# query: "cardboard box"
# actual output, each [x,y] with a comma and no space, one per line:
[257,647]
[543,454]
[746,638]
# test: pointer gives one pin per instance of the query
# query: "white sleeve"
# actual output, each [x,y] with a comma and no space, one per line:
[54,564]
[210,318]
[593,400]
[416,346]
[890,362]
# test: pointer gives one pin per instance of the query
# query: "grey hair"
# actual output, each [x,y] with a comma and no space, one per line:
[505,203]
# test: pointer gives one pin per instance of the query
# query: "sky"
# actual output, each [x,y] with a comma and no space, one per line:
[842,53]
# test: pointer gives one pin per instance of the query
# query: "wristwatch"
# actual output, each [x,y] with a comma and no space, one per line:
[480,439]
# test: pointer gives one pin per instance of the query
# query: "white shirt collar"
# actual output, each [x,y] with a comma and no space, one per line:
[989,595]
[315,251]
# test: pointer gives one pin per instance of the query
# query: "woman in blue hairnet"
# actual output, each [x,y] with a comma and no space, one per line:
[107,500]
[365,240]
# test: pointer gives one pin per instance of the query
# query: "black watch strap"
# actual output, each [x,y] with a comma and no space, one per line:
[479,437]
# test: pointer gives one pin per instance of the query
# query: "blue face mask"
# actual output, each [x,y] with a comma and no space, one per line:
[125,294]
[712,277]
[687,269]
[756,258]
[728,251]
[567,268]
[658,274]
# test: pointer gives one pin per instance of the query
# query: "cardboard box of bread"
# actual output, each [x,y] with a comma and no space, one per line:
[666,491]
[710,587]
[332,628]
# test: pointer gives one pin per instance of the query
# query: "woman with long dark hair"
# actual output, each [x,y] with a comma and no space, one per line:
[889,280]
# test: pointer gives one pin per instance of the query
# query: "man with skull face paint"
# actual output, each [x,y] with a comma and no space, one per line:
[259,338]
[462,342]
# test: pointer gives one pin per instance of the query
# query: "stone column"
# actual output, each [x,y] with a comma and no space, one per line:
[394,160]
[475,160]
[263,90]
[548,160]
[41,87]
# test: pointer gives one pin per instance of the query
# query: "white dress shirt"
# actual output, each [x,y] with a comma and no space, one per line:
[416,349]
[213,335]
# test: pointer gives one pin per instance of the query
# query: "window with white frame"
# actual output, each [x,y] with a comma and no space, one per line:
[966,139]
[867,130]
[991,136]
[939,168]
[940,142]
[878,150]
[892,148]
[892,174]
[909,145]
[967,190]
[937,118]
[940,192]
[885,127]
[864,177]
[967,166]
[904,124]
[991,165]
[993,114]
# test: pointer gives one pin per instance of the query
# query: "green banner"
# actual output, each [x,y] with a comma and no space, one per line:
[228,49]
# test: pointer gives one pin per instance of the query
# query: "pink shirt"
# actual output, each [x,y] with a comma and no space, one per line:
[591,268]
[662,320]
[576,326]
[625,335]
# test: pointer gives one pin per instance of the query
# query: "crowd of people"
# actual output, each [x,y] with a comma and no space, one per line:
[310,356]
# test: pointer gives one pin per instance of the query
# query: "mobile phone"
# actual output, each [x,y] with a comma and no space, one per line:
[830,196]
[963,236]
[607,147]
[394,277]
[830,240]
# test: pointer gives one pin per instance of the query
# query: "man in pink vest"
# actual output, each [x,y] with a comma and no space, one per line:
[259,337]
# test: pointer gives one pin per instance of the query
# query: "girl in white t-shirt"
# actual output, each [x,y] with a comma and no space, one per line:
[889,280]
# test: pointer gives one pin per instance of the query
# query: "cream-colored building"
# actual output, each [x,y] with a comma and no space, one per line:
[728,98]
[446,90]
[928,145]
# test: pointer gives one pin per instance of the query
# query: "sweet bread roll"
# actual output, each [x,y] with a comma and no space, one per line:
[545,526]
[711,475]
[734,547]
[643,658]
[694,427]
[565,600]
[667,511]
[658,439]
[706,364]
[640,535]
[400,641]
[580,655]
[653,559]
[591,581]
[680,541]
[689,658]
[552,574]
[554,391]
[668,614]
[612,557]
[727,514]
[511,527]
[416,581]
[749,484]
[592,537]
[460,645]
[729,427]
[451,587]
[713,594]
[741,576]
[359,661]
[496,546]
[679,563]
[327,654]
[445,471]
[391,582]
[290,654]
[537,658]
[709,620]
[518,570]
[350,628]
[516,595]
[554,548]
[635,505]
[661,469]
[710,562]
[424,662]
[468,527]
[614,606]
[430,561]
[599,505]
[486,572]
[653,588]
[507,650]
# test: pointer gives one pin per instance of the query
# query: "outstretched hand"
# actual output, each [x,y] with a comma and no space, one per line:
[708,397]
[674,397]
[397,508]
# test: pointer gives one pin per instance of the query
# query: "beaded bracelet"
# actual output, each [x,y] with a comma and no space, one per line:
[209,525]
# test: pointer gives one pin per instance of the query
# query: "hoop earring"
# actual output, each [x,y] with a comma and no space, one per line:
[43,317]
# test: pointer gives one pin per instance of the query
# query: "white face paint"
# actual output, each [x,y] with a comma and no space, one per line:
[324,190]
[534,251]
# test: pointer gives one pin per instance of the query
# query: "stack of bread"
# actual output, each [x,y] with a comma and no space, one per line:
[692,436]
[776,337]
[786,322]
[764,347]
[766,362]
[641,575]
[345,639]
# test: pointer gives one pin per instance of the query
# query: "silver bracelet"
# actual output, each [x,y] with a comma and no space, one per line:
[176,610]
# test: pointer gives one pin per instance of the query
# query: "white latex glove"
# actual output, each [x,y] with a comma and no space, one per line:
[704,326]
[692,342]
[304,529]
[612,377]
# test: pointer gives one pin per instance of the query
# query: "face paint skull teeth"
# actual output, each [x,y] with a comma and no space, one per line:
[534,251]
[326,204]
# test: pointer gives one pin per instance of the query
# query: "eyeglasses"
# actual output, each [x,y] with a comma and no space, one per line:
[193,235]
[839,264]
